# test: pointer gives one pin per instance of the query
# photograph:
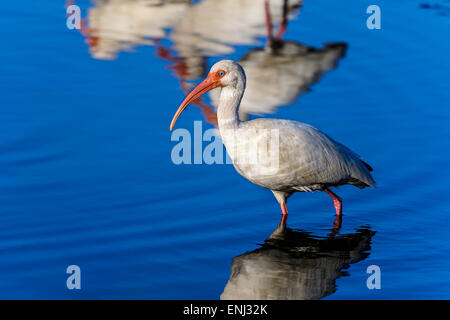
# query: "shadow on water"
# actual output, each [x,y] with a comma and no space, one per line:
[295,265]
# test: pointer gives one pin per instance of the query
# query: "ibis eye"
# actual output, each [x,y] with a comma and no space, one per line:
[221,73]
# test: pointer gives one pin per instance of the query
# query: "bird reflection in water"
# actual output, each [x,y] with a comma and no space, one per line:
[114,26]
[294,265]
[283,69]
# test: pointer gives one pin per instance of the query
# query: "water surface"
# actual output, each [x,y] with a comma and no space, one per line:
[85,150]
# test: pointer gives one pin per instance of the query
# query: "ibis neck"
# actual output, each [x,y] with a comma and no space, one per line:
[227,111]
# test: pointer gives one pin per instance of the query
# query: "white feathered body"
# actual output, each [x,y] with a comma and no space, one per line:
[290,156]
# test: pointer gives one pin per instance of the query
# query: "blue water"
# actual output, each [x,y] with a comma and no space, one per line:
[87,178]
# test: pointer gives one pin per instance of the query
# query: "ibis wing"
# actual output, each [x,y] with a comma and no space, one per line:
[326,161]
[308,158]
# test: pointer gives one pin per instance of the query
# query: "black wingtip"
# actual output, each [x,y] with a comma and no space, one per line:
[367,166]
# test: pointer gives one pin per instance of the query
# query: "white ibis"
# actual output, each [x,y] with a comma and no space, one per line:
[289,156]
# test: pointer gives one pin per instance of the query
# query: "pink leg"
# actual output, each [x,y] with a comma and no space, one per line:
[284,214]
[268,22]
[336,226]
[283,25]
[337,201]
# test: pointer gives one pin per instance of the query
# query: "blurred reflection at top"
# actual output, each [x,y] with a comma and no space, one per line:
[198,30]
[207,28]
[283,70]
[294,265]
[112,26]
[213,27]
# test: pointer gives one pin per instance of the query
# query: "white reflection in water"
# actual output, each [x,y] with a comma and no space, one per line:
[119,25]
[283,70]
[293,265]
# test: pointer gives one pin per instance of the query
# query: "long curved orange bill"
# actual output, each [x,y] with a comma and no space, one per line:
[209,83]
